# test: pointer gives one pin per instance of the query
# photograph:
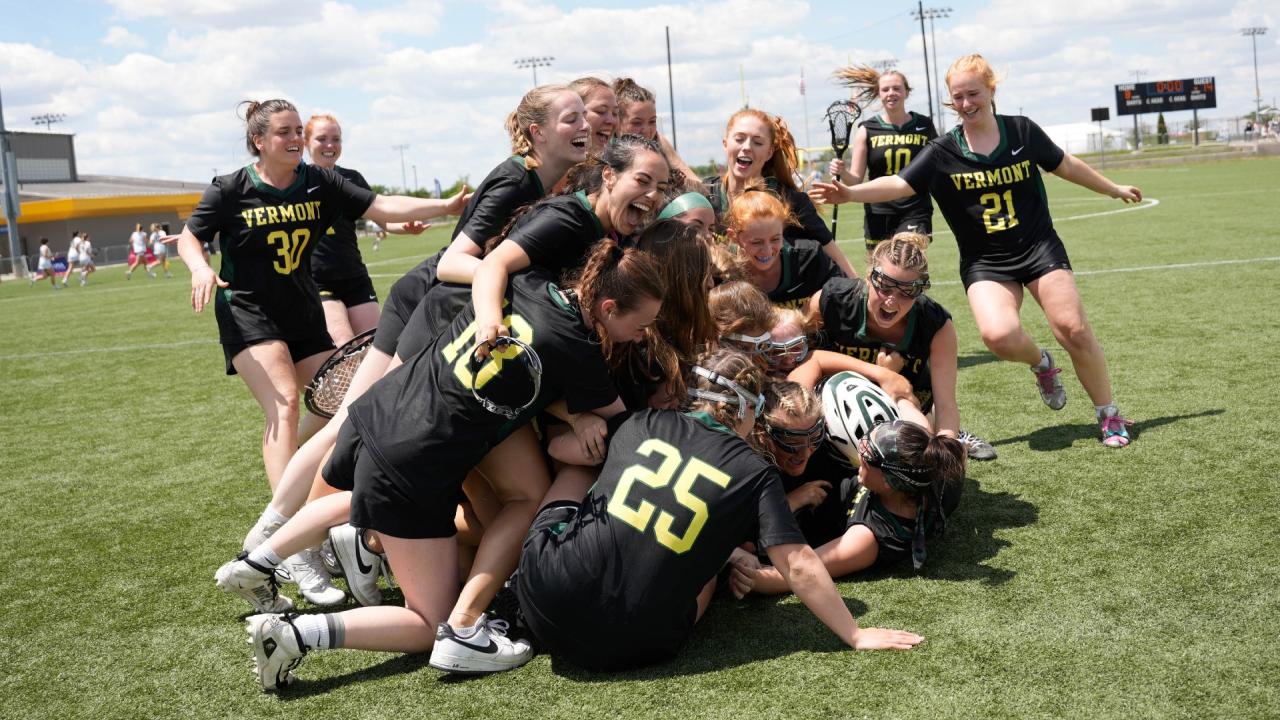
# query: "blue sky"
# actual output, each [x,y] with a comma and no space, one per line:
[150,86]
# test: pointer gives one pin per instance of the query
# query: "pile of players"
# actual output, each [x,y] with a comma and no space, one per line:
[621,387]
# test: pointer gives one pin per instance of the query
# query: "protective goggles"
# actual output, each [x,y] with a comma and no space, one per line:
[796,350]
[755,344]
[879,449]
[887,285]
[741,396]
[794,441]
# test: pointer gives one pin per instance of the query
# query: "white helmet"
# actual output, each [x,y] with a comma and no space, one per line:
[852,405]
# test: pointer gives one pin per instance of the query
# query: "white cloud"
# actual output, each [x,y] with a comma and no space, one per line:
[120,37]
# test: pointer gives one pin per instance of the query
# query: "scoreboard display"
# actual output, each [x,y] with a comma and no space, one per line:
[1165,95]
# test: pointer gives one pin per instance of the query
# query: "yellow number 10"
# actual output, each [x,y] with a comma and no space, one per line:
[639,516]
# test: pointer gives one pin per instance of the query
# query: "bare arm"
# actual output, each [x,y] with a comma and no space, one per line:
[459,262]
[824,362]
[882,189]
[811,583]
[388,209]
[942,375]
[856,170]
[489,285]
[203,278]
[855,550]
[1073,169]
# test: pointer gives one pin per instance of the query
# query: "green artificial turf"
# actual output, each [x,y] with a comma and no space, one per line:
[1074,581]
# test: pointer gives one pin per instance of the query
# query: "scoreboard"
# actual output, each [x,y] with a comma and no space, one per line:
[1165,95]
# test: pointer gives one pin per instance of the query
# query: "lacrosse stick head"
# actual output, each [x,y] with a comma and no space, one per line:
[841,115]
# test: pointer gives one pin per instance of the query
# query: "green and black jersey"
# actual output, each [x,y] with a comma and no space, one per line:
[805,269]
[557,234]
[267,237]
[676,495]
[507,188]
[995,204]
[811,225]
[890,148]
[894,534]
[843,307]
[422,418]
[337,255]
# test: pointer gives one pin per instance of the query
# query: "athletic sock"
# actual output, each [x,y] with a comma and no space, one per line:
[321,632]
[1106,411]
[271,517]
[264,556]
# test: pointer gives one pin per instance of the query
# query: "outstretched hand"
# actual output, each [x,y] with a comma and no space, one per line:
[458,201]
[884,639]
[832,193]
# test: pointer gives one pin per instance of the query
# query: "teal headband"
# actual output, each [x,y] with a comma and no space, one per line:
[685,203]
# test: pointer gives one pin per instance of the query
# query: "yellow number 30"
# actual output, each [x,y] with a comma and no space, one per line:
[639,516]
[290,249]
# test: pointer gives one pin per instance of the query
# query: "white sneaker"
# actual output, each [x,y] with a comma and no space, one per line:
[255,584]
[482,648]
[312,580]
[277,649]
[329,559]
[360,565]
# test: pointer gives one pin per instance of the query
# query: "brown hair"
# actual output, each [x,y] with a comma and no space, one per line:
[783,158]
[534,108]
[684,259]
[311,123]
[257,119]
[865,81]
[740,308]
[626,276]
[619,154]
[906,250]
[918,447]
[726,264]
[730,364]
[628,91]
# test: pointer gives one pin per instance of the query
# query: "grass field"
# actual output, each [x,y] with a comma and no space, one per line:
[1075,581]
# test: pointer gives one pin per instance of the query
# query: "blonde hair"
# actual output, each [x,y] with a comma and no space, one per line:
[865,81]
[311,121]
[906,250]
[534,108]
[733,365]
[783,157]
[784,402]
[978,65]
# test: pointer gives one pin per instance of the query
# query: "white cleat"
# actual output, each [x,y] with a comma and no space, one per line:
[277,649]
[254,584]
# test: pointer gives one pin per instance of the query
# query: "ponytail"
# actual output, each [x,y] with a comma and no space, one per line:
[257,119]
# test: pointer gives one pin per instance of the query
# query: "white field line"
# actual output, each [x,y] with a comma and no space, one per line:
[116,348]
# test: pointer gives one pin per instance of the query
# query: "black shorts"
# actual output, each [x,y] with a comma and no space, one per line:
[1039,259]
[405,295]
[299,350]
[556,607]
[348,291]
[877,227]
[386,502]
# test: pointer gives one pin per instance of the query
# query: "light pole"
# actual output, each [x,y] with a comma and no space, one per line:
[534,63]
[48,119]
[404,181]
[1137,134]
[932,13]
[415,177]
[883,65]
[1253,33]
[918,13]
[8,170]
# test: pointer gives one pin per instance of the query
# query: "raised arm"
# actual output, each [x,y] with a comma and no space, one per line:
[1073,169]
[489,286]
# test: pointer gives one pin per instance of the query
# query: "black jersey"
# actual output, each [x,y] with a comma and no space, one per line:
[844,329]
[805,269]
[890,148]
[557,234]
[827,520]
[267,237]
[894,533]
[811,225]
[422,419]
[508,187]
[337,255]
[677,493]
[995,204]
[434,313]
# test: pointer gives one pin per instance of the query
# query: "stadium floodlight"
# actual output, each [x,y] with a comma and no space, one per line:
[404,179]
[534,63]
[883,65]
[1253,33]
[48,119]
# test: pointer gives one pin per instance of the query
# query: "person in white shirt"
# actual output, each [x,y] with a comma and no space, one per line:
[137,251]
